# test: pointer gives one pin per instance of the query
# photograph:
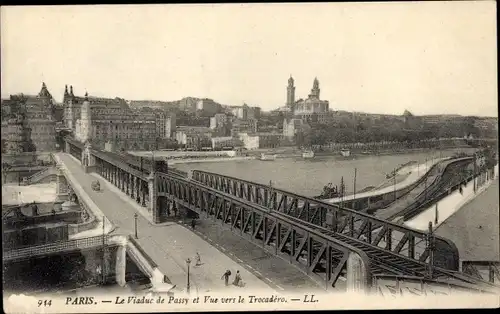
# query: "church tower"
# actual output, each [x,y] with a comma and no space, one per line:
[315,90]
[85,120]
[290,93]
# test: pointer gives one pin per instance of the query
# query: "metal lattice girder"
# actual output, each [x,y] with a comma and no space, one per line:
[376,232]
[382,241]
[321,257]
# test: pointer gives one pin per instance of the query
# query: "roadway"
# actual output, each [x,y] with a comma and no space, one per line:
[170,244]
[474,228]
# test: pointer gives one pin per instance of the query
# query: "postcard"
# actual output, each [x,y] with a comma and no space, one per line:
[235,157]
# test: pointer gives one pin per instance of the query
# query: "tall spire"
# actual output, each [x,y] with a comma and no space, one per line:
[44,92]
[65,90]
[71,90]
[290,93]
[316,83]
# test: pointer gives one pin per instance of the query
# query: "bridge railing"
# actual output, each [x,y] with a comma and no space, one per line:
[378,233]
[55,247]
[258,224]
[40,175]
[115,160]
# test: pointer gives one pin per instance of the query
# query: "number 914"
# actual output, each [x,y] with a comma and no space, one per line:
[44,303]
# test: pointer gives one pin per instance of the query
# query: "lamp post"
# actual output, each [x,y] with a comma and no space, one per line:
[135,224]
[394,181]
[188,262]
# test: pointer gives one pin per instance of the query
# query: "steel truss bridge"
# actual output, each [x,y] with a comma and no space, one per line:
[330,244]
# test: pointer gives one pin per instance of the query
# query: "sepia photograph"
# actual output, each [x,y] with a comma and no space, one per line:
[249,157]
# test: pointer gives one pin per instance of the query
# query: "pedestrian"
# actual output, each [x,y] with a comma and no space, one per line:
[237,279]
[226,277]
[193,223]
[198,259]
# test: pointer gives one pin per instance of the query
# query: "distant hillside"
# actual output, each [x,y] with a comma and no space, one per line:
[184,104]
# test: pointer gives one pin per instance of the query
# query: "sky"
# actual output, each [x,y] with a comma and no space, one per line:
[427,57]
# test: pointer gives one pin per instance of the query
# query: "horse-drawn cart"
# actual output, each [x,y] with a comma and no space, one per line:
[96,186]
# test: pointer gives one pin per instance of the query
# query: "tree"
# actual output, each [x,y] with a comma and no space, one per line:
[5,168]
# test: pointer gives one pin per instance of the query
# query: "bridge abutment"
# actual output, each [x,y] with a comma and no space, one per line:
[62,186]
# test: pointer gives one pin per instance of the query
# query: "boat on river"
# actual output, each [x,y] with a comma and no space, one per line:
[267,157]
[329,191]
[345,152]
[308,154]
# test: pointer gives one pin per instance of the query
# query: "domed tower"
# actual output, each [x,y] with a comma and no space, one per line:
[290,93]
[85,120]
[315,90]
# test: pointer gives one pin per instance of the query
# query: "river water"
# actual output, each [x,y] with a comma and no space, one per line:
[307,177]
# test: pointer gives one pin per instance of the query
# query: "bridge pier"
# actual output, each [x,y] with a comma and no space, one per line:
[356,275]
[121,265]
[153,197]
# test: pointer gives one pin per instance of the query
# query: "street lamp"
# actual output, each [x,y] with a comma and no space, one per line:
[188,262]
[135,220]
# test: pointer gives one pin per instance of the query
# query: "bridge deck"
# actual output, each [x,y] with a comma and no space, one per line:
[168,245]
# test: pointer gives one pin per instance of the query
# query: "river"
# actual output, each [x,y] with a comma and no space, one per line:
[307,177]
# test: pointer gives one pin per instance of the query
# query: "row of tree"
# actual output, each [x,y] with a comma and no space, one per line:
[369,131]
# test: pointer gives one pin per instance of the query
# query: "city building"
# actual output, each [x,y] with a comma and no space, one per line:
[225,142]
[269,140]
[193,137]
[312,107]
[291,127]
[208,106]
[188,104]
[243,126]
[165,124]
[123,129]
[72,105]
[218,121]
[246,112]
[14,135]
[111,123]
[154,104]
[250,142]
[29,123]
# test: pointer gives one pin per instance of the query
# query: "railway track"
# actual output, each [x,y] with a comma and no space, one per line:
[450,178]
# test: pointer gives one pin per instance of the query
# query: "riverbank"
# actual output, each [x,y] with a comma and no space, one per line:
[203,160]
[294,152]
[309,176]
